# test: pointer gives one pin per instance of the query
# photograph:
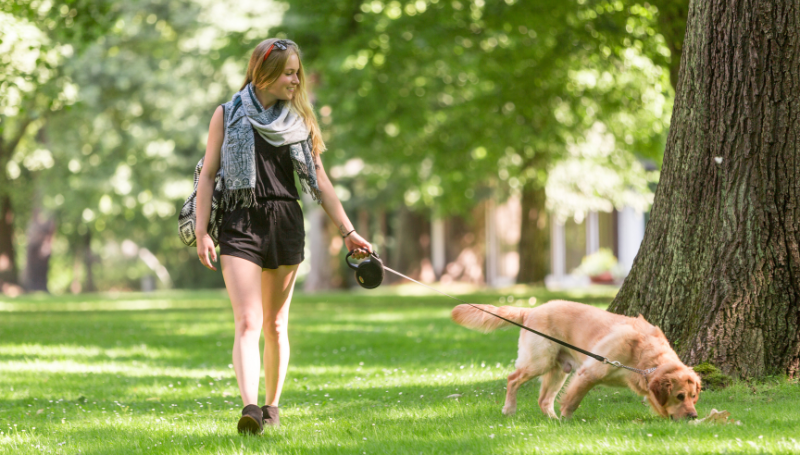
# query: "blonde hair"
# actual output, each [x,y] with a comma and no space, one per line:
[264,73]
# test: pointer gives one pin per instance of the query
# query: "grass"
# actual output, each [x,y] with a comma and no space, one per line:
[371,373]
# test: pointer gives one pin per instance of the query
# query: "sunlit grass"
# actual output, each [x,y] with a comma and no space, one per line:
[370,373]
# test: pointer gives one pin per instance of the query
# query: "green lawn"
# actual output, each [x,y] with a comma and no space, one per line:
[370,374]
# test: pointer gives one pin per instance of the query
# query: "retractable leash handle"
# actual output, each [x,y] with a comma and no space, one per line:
[369,273]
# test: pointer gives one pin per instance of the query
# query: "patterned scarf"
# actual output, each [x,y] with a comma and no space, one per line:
[279,126]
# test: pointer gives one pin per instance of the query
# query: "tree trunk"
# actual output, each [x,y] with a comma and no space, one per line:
[719,266]
[411,245]
[8,259]
[534,240]
[41,229]
[88,261]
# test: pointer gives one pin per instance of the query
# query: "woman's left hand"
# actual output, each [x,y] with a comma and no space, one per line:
[357,245]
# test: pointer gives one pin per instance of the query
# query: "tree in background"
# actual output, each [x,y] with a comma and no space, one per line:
[33,87]
[439,104]
[109,173]
[451,102]
[718,267]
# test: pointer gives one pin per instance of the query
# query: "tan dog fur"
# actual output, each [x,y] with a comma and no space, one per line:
[672,389]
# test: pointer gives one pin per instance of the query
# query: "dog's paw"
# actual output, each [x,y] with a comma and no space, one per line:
[509,411]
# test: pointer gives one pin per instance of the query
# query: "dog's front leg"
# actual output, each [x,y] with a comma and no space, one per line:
[580,384]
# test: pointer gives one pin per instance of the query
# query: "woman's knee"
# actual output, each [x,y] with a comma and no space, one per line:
[248,325]
[275,328]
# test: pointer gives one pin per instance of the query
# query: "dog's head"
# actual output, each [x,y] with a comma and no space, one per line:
[674,390]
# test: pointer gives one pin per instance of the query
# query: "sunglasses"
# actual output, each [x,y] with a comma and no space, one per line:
[281,44]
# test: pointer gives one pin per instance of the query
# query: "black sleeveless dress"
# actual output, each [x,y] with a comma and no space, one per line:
[272,233]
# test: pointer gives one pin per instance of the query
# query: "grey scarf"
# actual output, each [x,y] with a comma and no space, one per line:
[279,126]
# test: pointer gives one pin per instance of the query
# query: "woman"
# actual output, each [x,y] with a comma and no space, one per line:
[262,137]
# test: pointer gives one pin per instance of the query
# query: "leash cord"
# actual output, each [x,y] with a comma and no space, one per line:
[597,357]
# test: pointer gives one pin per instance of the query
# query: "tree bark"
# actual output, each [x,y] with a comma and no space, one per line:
[719,266]
[8,259]
[534,240]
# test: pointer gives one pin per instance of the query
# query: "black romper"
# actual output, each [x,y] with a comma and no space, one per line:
[272,233]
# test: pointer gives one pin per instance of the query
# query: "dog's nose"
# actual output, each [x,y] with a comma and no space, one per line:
[692,415]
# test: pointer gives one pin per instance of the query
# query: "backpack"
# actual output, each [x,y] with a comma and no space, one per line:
[187,218]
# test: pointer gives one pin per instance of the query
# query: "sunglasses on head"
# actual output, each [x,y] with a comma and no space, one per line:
[281,44]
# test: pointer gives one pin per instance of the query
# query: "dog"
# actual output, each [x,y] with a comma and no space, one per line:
[672,389]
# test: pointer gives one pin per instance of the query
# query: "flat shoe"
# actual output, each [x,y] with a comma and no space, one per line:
[252,420]
[272,417]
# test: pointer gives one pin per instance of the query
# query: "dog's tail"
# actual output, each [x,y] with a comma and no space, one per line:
[474,318]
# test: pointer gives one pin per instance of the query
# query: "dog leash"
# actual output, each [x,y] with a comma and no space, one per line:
[597,357]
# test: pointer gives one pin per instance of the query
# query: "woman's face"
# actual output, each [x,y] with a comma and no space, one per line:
[288,82]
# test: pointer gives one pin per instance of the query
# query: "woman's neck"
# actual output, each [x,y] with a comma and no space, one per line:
[265,98]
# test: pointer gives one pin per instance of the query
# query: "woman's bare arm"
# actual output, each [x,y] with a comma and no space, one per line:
[205,188]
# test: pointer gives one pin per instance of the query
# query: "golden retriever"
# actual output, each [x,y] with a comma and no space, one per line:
[672,389]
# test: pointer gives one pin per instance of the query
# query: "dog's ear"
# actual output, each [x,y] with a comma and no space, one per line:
[699,386]
[661,388]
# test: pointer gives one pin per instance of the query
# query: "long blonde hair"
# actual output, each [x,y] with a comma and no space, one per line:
[264,73]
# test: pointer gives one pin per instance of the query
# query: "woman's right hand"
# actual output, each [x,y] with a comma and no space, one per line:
[205,248]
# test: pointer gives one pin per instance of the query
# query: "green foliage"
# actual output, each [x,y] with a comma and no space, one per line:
[150,374]
[117,164]
[713,378]
[442,98]
[603,260]
[433,105]
[128,148]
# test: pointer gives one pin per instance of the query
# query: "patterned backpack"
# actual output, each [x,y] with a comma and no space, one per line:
[187,218]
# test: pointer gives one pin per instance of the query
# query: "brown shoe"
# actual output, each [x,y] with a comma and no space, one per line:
[271,416]
[252,420]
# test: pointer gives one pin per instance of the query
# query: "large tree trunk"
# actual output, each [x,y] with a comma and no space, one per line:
[8,260]
[719,267]
[534,240]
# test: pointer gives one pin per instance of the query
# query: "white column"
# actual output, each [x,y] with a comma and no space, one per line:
[437,246]
[558,249]
[592,233]
[631,233]
[491,243]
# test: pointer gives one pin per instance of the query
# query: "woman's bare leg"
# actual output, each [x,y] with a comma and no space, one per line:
[277,286]
[243,281]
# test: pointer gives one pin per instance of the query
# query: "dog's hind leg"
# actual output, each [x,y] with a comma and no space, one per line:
[552,381]
[519,377]
[515,381]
